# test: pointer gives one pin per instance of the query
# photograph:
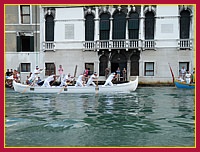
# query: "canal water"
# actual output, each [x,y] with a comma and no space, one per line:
[148,117]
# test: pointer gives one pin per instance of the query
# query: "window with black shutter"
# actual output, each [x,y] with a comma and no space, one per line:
[49,28]
[184,24]
[133,25]
[89,28]
[119,26]
[104,26]
[25,42]
[149,25]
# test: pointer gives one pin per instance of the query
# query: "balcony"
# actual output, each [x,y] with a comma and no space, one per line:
[185,44]
[112,44]
[48,46]
[180,44]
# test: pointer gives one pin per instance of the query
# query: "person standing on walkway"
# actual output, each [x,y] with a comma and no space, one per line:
[118,74]
[124,74]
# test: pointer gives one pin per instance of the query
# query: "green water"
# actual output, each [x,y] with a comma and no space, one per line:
[158,117]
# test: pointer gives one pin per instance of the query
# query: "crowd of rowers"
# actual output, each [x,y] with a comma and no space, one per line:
[64,80]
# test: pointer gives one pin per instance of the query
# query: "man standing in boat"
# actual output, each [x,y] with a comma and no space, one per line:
[188,77]
[109,80]
[183,72]
[91,79]
[34,75]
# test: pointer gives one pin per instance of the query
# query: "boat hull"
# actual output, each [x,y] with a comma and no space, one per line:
[184,85]
[125,87]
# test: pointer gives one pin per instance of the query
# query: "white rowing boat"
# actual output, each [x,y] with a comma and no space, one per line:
[123,87]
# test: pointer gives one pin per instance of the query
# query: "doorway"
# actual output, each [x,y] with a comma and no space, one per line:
[118,60]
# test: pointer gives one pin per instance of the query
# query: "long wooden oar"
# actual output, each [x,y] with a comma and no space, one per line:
[32,83]
[62,89]
[97,87]
[26,89]
[74,74]
[171,73]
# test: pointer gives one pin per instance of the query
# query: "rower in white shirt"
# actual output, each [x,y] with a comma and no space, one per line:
[109,79]
[91,79]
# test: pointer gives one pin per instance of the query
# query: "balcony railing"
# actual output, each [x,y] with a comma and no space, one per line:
[49,46]
[185,44]
[148,44]
[89,45]
[126,44]
[111,44]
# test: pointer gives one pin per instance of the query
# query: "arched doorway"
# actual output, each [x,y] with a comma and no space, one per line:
[118,60]
[135,64]
[103,65]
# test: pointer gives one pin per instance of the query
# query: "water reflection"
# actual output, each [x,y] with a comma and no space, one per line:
[126,111]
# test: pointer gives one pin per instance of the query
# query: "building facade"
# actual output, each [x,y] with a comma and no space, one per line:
[143,39]
[22,38]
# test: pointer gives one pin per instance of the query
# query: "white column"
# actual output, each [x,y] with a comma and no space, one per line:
[42,39]
[96,37]
[127,38]
[111,21]
[111,29]
[129,8]
[128,69]
[141,32]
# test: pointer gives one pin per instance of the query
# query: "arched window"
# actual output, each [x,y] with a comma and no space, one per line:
[149,25]
[133,25]
[103,65]
[119,26]
[104,26]
[89,27]
[184,24]
[49,28]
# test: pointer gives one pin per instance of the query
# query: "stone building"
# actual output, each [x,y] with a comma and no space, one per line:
[144,39]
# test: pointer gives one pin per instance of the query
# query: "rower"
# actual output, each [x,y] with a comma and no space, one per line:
[109,79]
[34,75]
[63,81]
[48,80]
[91,79]
[79,81]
